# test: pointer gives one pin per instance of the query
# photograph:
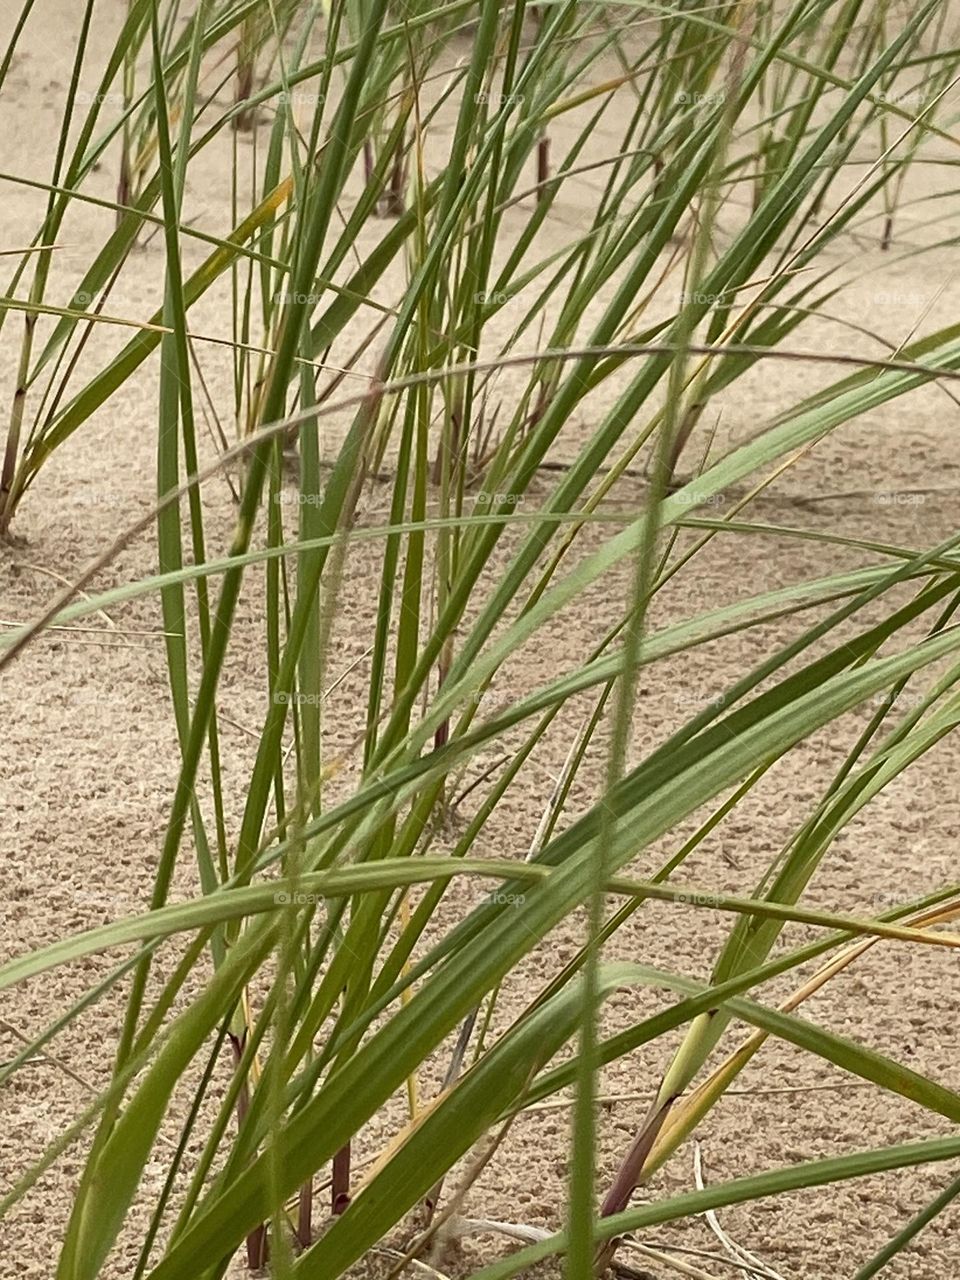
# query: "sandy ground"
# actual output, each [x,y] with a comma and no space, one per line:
[89,755]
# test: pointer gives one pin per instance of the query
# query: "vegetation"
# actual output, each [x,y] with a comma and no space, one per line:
[325,953]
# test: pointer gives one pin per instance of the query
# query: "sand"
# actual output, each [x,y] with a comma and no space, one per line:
[89,758]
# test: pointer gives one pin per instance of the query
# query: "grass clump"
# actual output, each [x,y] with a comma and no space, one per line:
[413,315]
